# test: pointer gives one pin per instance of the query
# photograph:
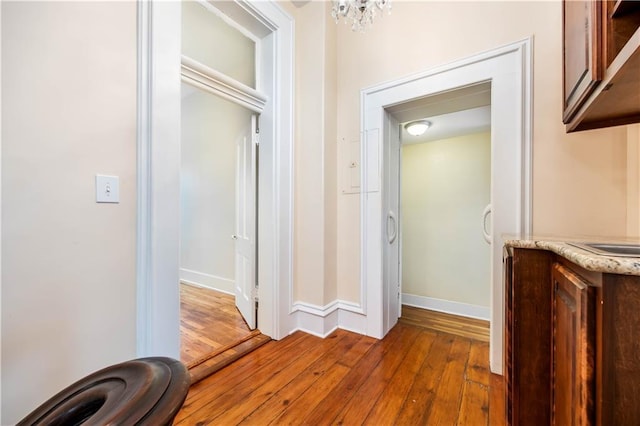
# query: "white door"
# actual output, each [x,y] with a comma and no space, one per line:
[391,242]
[246,224]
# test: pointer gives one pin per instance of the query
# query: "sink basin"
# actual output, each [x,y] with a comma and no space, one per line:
[624,250]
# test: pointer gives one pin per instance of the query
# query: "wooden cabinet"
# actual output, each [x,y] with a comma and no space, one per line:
[582,51]
[572,343]
[528,330]
[572,349]
[601,63]
[507,269]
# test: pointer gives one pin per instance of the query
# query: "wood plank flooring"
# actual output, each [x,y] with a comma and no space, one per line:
[209,321]
[447,323]
[414,376]
[213,333]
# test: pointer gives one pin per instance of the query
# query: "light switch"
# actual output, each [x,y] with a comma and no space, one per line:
[107,189]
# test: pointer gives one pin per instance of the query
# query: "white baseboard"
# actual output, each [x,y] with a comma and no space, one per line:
[323,320]
[352,321]
[213,282]
[447,306]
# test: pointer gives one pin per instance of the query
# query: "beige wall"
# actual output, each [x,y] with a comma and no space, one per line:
[315,146]
[68,264]
[332,240]
[579,180]
[308,268]
[445,187]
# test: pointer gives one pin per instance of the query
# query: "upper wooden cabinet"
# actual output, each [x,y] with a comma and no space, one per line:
[582,54]
[601,63]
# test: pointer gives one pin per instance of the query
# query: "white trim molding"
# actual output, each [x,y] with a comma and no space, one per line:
[158,178]
[143,138]
[323,320]
[447,306]
[219,84]
[202,279]
[0,212]
[509,70]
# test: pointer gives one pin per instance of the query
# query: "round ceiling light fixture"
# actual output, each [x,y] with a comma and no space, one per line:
[417,128]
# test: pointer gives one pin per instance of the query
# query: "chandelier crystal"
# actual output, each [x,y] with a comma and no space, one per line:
[359,12]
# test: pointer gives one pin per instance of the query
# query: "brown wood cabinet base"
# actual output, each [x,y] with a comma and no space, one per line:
[572,343]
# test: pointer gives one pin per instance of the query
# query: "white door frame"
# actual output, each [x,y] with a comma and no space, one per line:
[158,169]
[392,215]
[0,213]
[509,69]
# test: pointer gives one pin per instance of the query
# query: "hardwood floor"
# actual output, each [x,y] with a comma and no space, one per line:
[414,376]
[212,331]
[447,323]
[209,321]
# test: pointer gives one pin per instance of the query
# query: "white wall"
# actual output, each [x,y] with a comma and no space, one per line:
[68,264]
[210,127]
[445,187]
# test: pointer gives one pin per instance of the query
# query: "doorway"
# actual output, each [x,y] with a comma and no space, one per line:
[445,182]
[161,67]
[508,70]
[218,184]
[218,224]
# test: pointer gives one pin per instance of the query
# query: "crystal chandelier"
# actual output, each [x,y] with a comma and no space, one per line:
[359,12]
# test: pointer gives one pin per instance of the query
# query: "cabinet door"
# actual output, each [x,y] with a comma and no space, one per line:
[573,336]
[583,63]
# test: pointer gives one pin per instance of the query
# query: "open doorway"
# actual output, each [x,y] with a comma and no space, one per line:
[508,71]
[218,190]
[437,196]
[160,67]
[444,190]
[218,225]
[445,201]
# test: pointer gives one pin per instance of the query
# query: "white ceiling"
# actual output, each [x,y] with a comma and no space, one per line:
[453,113]
[453,124]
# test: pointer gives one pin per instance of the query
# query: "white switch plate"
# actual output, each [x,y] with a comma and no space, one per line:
[107,189]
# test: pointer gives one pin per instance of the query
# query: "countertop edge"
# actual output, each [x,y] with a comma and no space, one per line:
[583,258]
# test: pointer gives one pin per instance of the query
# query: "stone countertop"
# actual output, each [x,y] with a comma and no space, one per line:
[584,258]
